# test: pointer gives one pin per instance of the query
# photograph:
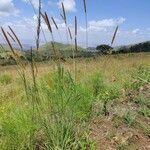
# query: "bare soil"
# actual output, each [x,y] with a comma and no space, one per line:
[113,133]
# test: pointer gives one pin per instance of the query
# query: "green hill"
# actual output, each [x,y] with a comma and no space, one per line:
[4,48]
[59,46]
[45,51]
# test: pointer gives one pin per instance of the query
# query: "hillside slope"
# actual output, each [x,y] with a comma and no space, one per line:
[59,46]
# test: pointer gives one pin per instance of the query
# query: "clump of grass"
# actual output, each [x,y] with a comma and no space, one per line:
[142,100]
[67,105]
[97,84]
[109,93]
[104,91]
[5,79]
[141,76]
[130,118]
[145,111]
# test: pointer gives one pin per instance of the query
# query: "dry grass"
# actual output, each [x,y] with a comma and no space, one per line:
[113,65]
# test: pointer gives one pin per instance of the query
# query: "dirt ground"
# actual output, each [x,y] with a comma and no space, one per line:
[112,133]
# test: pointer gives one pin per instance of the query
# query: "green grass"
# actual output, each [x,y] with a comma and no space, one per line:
[56,112]
[5,79]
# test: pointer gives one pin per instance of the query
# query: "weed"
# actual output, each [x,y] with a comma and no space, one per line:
[141,75]
[145,111]
[108,93]
[142,100]
[129,118]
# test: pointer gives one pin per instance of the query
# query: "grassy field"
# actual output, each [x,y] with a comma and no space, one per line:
[93,103]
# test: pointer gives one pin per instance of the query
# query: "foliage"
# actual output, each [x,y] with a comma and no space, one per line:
[136,48]
[104,49]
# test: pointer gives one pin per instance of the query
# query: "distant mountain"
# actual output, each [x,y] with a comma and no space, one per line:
[15,46]
[91,49]
[59,46]
[4,48]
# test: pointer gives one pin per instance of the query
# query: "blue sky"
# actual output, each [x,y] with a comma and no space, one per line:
[103,16]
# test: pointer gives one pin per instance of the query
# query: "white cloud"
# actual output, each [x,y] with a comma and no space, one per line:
[50,3]
[99,33]
[103,25]
[70,5]
[106,23]
[135,31]
[7,8]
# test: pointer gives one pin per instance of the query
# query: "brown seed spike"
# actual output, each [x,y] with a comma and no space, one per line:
[75,25]
[11,36]
[48,22]
[114,36]
[8,41]
[39,26]
[16,37]
[85,9]
[62,16]
[70,33]
[76,45]
[43,16]
[54,23]
[64,13]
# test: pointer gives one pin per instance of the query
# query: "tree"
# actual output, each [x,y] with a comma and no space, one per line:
[104,49]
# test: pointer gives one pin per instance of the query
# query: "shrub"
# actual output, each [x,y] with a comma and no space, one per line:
[104,49]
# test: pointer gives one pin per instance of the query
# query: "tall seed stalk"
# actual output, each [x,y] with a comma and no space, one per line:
[76,46]
[39,25]
[16,37]
[20,65]
[63,15]
[86,21]
[11,37]
[114,35]
[72,48]
[56,26]
[56,54]
[34,10]
[112,42]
